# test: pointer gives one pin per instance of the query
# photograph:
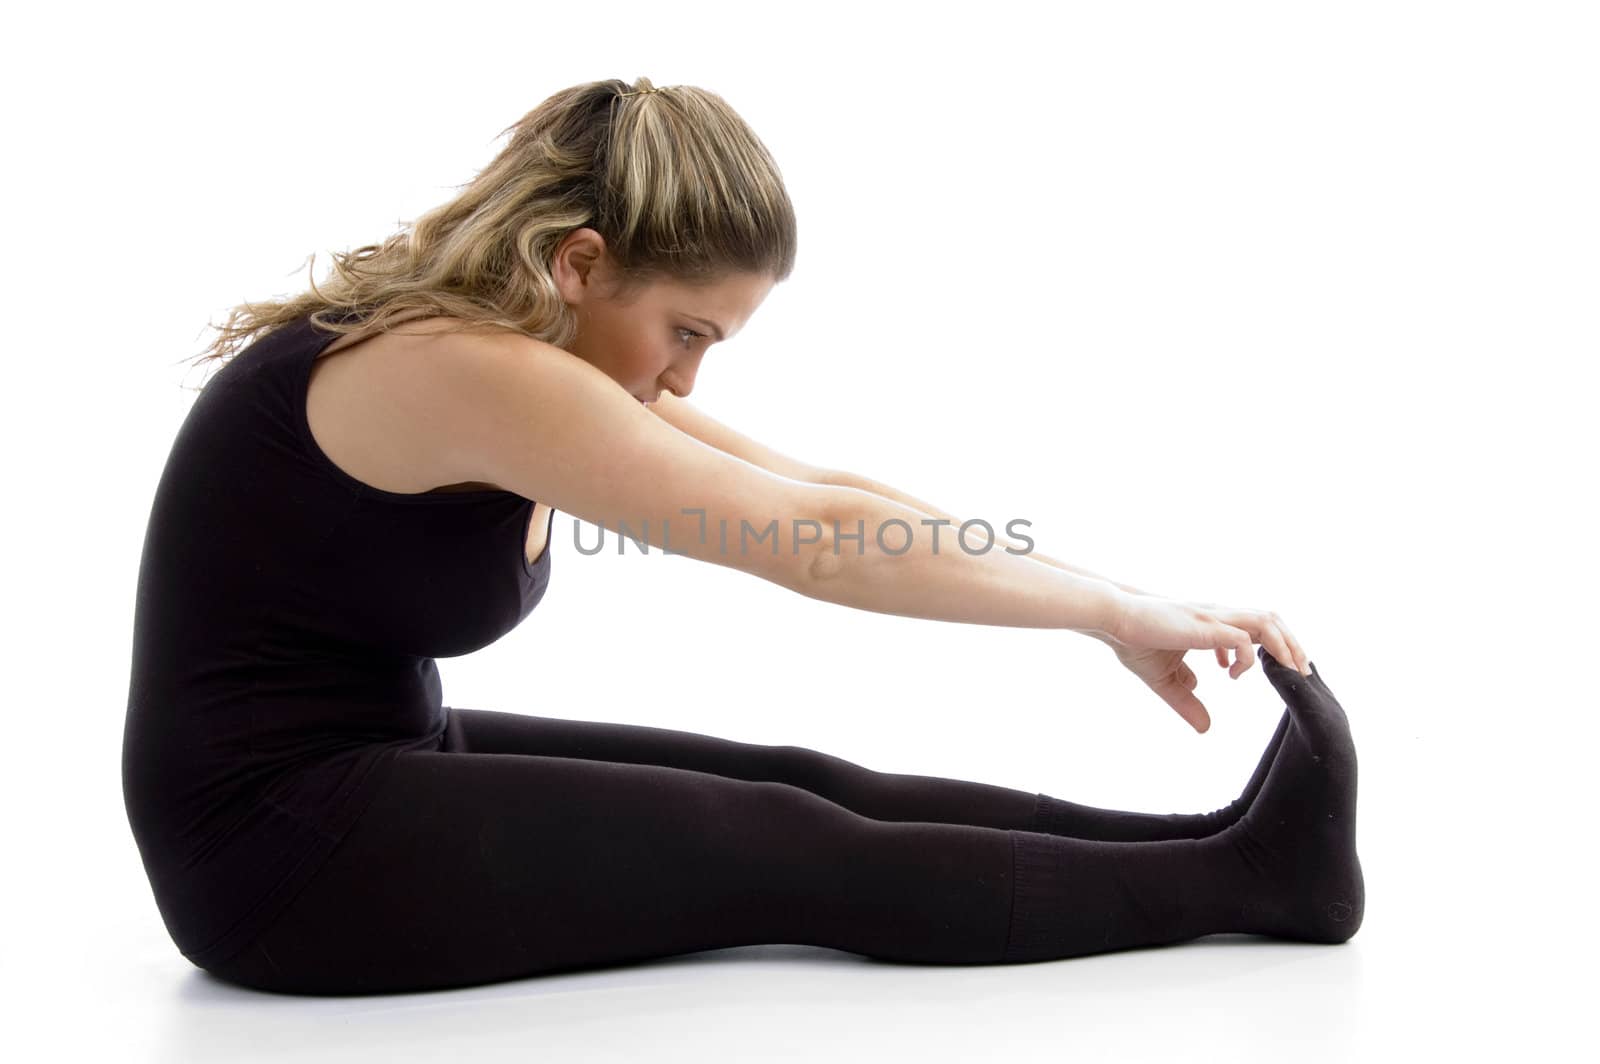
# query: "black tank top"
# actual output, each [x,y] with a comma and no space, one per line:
[285,629]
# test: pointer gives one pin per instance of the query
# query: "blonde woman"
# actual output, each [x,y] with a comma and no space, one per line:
[368,484]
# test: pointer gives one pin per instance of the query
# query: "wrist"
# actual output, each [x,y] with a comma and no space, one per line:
[1110,607]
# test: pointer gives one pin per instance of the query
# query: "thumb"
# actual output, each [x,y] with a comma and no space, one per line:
[1187,706]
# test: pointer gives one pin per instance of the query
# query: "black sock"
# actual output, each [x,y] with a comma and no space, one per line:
[1299,837]
[1287,867]
[1057,816]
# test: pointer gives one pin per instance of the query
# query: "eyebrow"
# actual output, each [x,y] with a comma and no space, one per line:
[715,329]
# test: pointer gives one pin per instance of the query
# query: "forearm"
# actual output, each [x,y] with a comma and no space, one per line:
[866,561]
[861,483]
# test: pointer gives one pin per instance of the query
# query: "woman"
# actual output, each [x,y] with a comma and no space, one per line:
[341,507]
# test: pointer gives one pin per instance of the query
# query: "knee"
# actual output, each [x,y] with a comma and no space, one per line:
[814,770]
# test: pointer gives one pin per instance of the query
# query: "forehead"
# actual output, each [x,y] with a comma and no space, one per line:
[729,302]
[734,289]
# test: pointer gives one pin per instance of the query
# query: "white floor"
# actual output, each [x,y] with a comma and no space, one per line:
[1224,998]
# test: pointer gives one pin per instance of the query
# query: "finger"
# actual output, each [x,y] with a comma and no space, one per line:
[1239,627]
[1272,636]
[1300,656]
[1242,656]
[1222,657]
[1223,637]
[1274,645]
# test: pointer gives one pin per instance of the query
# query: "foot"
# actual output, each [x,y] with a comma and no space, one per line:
[1296,840]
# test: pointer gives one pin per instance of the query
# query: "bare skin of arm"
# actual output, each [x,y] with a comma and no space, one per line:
[863,559]
[688,418]
[861,483]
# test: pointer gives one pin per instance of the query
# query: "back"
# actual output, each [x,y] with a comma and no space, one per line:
[285,630]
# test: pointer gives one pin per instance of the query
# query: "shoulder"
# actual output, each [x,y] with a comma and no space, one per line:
[387,405]
[435,370]
[443,354]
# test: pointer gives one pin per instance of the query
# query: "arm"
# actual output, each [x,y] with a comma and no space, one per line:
[1149,634]
[904,574]
[861,483]
[682,415]
[546,425]
[686,417]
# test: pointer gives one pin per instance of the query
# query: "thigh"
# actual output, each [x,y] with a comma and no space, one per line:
[470,868]
[487,731]
[880,795]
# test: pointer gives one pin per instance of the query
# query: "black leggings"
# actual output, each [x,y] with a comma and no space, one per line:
[531,845]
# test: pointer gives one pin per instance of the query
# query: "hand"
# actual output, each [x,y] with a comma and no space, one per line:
[1151,634]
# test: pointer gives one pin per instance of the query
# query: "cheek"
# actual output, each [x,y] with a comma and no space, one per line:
[646,362]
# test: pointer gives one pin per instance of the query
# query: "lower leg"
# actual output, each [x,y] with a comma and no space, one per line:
[880,795]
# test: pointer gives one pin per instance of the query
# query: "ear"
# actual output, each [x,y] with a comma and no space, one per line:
[580,262]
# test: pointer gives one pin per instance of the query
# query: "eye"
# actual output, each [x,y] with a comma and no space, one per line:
[691,332]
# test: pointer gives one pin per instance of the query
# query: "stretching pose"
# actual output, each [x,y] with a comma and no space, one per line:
[367,484]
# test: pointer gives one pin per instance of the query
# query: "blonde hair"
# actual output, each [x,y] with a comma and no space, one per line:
[673,179]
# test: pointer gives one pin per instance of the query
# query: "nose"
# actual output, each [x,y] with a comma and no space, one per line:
[681,383]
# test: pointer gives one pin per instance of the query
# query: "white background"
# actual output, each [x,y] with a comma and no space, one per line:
[1270,304]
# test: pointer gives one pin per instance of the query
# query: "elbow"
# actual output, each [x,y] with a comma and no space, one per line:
[824,564]
[825,539]
[798,550]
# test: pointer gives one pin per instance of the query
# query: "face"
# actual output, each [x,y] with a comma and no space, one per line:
[654,342]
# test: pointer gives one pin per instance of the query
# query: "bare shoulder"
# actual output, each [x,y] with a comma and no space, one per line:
[374,406]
